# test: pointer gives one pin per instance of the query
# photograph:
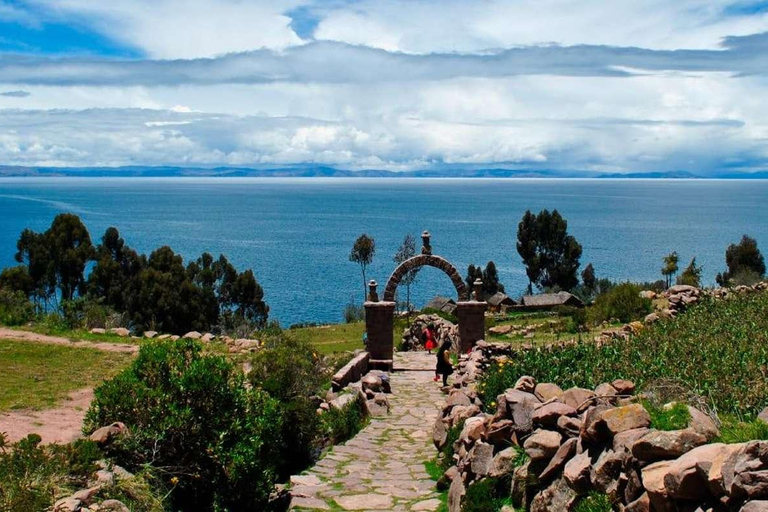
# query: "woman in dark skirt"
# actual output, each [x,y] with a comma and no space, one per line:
[444,366]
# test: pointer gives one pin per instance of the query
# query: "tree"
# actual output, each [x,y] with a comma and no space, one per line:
[743,258]
[473,274]
[33,253]
[489,276]
[670,267]
[362,254]
[406,251]
[588,278]
[528,248]
[113,277]
[17,279]
[691,276]
[551,256]
[70,247]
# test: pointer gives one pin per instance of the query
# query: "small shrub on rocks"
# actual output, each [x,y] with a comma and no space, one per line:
[622,302]
[733,430]
[487,495]
[594,502]
[672,418]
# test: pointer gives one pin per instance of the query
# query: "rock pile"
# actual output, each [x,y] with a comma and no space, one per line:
[412,336]
[371,391]
[578,441]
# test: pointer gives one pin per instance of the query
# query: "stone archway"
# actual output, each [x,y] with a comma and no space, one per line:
[426,260]
[379,315]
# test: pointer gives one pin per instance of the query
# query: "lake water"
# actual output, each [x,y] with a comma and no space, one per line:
[296,233]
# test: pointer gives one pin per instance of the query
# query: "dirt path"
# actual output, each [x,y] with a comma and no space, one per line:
[12,334]
[61,424]
[382,468]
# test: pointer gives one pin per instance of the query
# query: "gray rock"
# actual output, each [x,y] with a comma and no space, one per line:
[543,444]
[577,472]
[658,444]
[517,406]
[440,433]
[456,495]
[548,414]
[578,398]
[193,335]
[558,496]
[480,458]
[641,504]
[546,391]
[526,384]
[503,462]
[755,506]
[113,506]
[568,426]
[624,387]
[625,418]
[605,472]
[563,454]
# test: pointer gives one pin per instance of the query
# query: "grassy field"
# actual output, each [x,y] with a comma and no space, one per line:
[332,338]
[717,350]
[36,375]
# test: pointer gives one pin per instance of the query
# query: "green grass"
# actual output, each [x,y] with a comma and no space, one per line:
[331,338]
[674,418]
[717,350]
[36,375]
[434,470]
[594,502]
[733,430]
[75,334]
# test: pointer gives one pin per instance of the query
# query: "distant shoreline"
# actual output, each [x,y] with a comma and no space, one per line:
[330,172]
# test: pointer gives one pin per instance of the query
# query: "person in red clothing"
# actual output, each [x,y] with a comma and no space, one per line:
[429,338]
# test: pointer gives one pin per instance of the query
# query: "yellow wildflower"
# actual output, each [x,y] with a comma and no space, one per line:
[174,480]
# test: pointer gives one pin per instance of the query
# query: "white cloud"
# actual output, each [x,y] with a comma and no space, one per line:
[425,26]
[182,29]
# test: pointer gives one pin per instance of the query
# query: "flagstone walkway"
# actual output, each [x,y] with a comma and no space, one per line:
[382,468]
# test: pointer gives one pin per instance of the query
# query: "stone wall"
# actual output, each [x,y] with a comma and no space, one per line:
[580,441]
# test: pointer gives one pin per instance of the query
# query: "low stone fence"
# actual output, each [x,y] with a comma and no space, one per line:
[581,441]
[353,371]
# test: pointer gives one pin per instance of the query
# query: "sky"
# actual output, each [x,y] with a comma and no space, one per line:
[608,86]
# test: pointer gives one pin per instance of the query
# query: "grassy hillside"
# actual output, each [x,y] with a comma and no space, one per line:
[717,350]
[37,376]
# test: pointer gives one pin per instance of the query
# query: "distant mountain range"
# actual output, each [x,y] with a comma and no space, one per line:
[306,171]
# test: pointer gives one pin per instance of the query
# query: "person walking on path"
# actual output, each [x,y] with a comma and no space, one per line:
[429,338]
[444,366]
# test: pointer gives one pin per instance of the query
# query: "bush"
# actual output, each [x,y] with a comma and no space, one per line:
[290,371]
[716,349]
[342,424]
[85,313]
[622,303]
[487,495]
[15,308]
[733,430]
[31,475]
[594,502]
[353,313]
[214,442]
[675,417]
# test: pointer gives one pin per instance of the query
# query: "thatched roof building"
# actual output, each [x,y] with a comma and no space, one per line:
[499,301]
[443,304]
[551,300]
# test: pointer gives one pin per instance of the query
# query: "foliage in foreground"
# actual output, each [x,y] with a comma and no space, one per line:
[32,476]
[214,441]
[717,350]
[487,495]
[594,502]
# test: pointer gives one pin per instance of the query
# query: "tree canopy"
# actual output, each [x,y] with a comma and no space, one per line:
[362,253]
[551,256]
[489,276]
[742,259]
[156,292]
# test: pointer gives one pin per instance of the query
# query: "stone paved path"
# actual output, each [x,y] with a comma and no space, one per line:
[382,468]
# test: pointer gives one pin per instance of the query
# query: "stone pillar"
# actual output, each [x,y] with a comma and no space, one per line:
[471,316]
[426,246]
[379,319]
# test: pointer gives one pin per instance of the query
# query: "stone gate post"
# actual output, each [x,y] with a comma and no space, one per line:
[471,316]
[379,320]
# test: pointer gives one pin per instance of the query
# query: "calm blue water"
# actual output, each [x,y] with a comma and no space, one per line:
[296,233]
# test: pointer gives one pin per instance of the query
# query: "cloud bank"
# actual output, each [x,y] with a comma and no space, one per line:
[617,86]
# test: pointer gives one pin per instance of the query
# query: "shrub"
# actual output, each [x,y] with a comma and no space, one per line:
[675,417]
[291,371]
[214,442]
[353,313]
[622,302]
[342,424]
[85,313]
[487,495]
[716,349]
[594,502]
[15,308]
[31,475]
